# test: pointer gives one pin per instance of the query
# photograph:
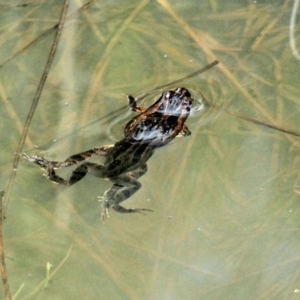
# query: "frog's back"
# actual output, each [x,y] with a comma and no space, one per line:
[162,121]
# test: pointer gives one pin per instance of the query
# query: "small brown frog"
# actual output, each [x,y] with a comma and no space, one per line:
[126,160]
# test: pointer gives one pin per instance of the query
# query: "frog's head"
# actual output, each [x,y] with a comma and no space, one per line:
[176,103]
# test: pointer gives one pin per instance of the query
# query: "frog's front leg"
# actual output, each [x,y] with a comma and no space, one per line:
[124,187]
[133,104]
[185,130]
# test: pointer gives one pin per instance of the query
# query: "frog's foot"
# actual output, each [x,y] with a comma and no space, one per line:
[38,160]
[121,209]
[104,213]
[109,202]
[105,205]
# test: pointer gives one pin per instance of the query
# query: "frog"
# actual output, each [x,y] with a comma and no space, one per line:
[126,160]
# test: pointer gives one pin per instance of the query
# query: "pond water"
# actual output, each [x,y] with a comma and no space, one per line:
[226,200]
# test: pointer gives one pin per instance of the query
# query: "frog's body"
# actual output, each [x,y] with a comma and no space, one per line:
[126,160]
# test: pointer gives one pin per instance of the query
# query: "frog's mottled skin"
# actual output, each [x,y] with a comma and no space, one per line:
[125,161]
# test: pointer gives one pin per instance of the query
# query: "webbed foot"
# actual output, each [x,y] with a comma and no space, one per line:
[109,203]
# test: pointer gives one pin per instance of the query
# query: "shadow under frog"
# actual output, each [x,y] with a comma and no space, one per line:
[126,160]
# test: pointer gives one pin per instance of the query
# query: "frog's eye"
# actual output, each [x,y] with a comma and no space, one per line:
[179,90]
[167,94]
[183,92]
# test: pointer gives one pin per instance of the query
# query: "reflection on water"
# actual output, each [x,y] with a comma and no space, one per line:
[225,199]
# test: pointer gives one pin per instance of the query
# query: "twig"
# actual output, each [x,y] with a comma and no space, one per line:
[207,67]
[7,293]
[35,101]
[262,123]
[47,32]
[292,30]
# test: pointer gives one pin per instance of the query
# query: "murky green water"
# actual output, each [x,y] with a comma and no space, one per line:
[226,200]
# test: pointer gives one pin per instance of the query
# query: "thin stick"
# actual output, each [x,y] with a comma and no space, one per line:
[275,127]
[249,119]
[7,293]
[36,100]
[47,32]
[207,67]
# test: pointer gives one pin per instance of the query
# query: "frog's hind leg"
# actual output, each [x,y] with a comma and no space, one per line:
[72,160]
[86,167]
[78,173]
[124,187]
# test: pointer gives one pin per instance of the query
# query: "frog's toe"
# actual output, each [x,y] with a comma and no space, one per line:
[122,209]
[104,213]
[24,155]
[141,210]
[38,160]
